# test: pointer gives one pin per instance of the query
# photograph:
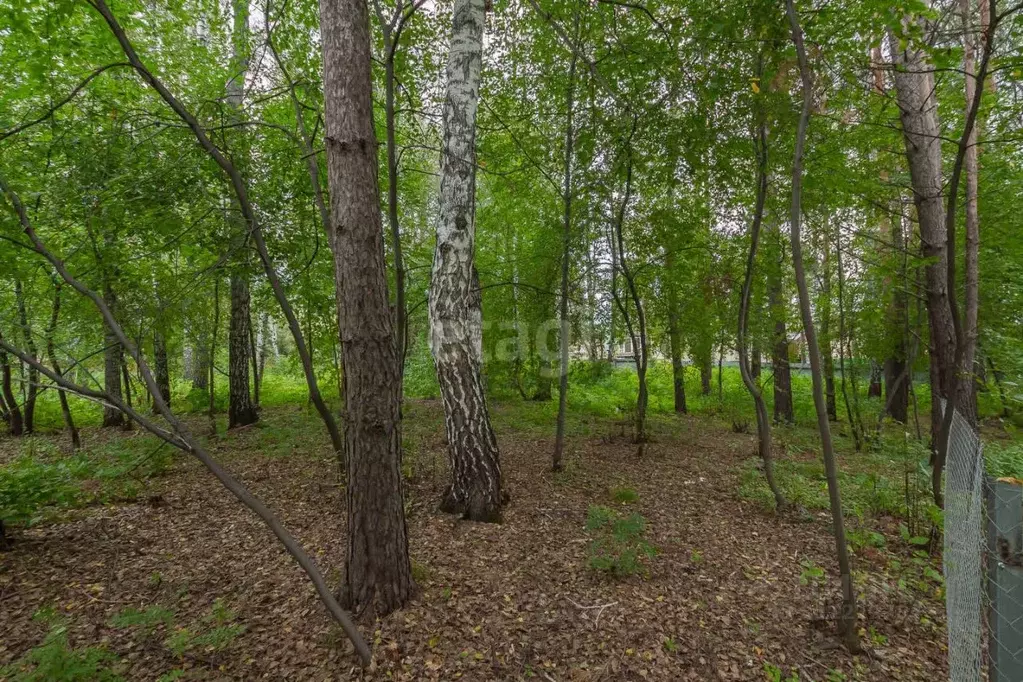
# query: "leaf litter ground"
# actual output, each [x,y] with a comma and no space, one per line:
[726,598]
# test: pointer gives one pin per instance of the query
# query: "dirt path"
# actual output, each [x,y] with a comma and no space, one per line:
[499,602]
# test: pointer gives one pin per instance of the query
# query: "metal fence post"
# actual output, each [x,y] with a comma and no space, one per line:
[1004,502]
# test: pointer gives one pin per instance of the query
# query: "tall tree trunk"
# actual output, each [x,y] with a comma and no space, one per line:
[968,384]
[241,410]
[264,339]
[475,489]
[783,411]
[637,331]
[14,422]
[161,367]
[721,371]
[378,573]
[254,358]
[915,87]
[706,370]
[566,238]
[126,377]
[847,619]
[212,359]
[400,308]
[896,367]
[763,423]
[51,351]
[112,417]
[200,363]
[30,345]
[874,389]
[896,389]
[678,370]
[845,335]
[825,336]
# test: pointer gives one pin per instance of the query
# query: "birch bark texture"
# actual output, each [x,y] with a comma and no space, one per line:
[455,333]
[378,574]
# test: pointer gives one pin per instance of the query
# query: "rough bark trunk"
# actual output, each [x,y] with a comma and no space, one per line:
[566,238]
[51,351]
[475,488]
[30,345]
[241,410]
[914,84]
[378,573]
[112,417]
[847,621]
[14,421]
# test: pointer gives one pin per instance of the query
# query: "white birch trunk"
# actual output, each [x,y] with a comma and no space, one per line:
[455,314]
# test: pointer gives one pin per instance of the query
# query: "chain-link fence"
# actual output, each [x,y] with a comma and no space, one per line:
[983,565]
[963,552]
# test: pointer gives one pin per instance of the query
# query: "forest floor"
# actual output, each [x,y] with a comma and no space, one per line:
[183,583]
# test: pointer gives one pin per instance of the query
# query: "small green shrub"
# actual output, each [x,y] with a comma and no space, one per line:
[619,548]
[1004,460]
[55,661]
[148,619]
[624,495]
[775,674]
[215,631]
[811,573]
[41,480]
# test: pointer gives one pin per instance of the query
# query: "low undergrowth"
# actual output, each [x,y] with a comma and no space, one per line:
[41,482]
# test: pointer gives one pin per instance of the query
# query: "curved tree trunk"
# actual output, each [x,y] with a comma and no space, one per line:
[475,489]
[763,422]
[847,621]
[378,573]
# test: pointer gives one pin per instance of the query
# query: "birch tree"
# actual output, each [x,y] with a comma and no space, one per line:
[455,330]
